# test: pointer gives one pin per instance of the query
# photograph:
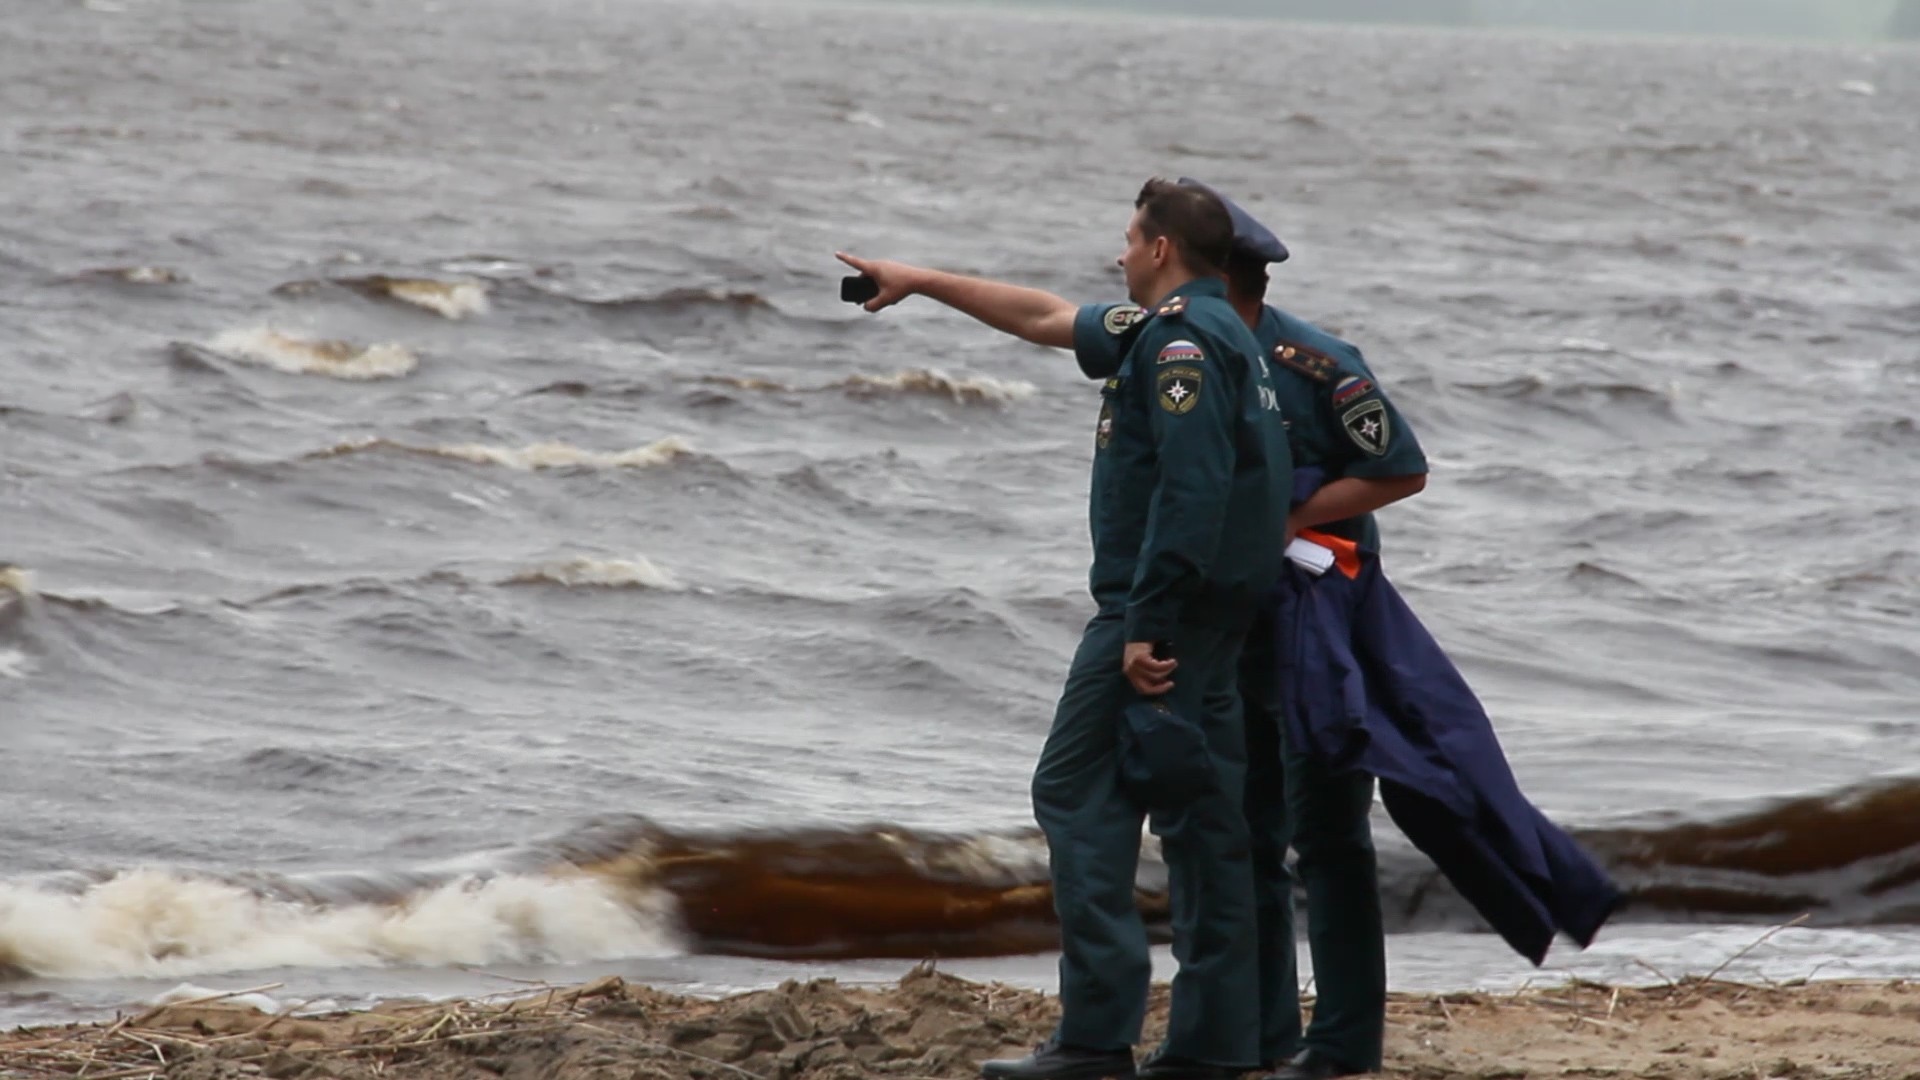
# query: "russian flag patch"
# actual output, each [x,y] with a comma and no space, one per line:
[1350,387]
[1181,352]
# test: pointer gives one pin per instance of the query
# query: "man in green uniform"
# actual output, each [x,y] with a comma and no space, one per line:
[1341,424]
[1191,482]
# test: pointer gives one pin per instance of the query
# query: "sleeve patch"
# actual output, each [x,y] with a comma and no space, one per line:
[1121,318]
[1180,389]
[1181,352]
[1305,361]
[1367,425]
[1351,387]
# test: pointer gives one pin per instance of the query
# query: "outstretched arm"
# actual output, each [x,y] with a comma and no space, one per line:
[1029,314]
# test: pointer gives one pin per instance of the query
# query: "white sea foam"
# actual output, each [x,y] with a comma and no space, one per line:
[307,356]
[136,275]
[1585,345]
[15,664]
[451,299]
[971,390]
[748,382]
[549,455]
[555,455]
[16,579]
[637,572]
[995,858]
[188,992]
[966,390]
[153,923]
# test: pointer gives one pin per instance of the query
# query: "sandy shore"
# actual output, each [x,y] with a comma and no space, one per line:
[935,1025]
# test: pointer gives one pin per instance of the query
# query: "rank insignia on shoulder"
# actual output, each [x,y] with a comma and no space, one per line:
[1122,318]
[1180,389]
[1313,365]
[1368,427]
[1181,352]
[1173,307]
[1351,387]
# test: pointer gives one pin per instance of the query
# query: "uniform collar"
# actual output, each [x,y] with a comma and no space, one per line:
[1271,321]
[1203,286]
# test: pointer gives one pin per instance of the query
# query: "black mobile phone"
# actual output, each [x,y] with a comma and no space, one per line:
[858,289]
[1163,650]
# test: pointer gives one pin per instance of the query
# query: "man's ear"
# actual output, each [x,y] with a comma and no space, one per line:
[1162,249]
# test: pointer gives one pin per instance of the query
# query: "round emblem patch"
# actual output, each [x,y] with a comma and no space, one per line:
[1180,389]
[1122,318]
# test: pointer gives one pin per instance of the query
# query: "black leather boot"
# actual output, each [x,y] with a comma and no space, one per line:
[1054,1061]
[1312,1064]
[1160,1066]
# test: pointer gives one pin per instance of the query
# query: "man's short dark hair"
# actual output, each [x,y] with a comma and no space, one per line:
[1194,220]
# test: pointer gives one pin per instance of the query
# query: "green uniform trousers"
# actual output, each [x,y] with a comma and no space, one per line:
[1093,842]
[1293,802]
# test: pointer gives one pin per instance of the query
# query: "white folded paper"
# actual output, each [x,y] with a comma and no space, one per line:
[1314,558]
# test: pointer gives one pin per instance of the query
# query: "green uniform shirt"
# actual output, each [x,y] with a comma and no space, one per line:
[1191,475]
[1338,417]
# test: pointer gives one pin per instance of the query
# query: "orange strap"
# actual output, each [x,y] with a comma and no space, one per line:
[1346,553]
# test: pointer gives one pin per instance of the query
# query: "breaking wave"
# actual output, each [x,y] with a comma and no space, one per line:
[635,573]
[170,924]
[16,579]
[133,275]
[677,300]
[449,299]
[977,390]
[967,390]
[627,886]
[313,356]
[1850,858]
[549,455]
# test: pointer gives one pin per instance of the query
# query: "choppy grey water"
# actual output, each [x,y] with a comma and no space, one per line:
[452,514]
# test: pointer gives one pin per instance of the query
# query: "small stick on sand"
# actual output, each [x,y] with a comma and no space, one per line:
[1728,962]
[1664,977]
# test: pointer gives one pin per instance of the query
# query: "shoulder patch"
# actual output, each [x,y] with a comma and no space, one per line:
[1367,425]
[1172,307]
[1313,365]
[1180,389]
[1351,387]
[1181,352]
[1122,318]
